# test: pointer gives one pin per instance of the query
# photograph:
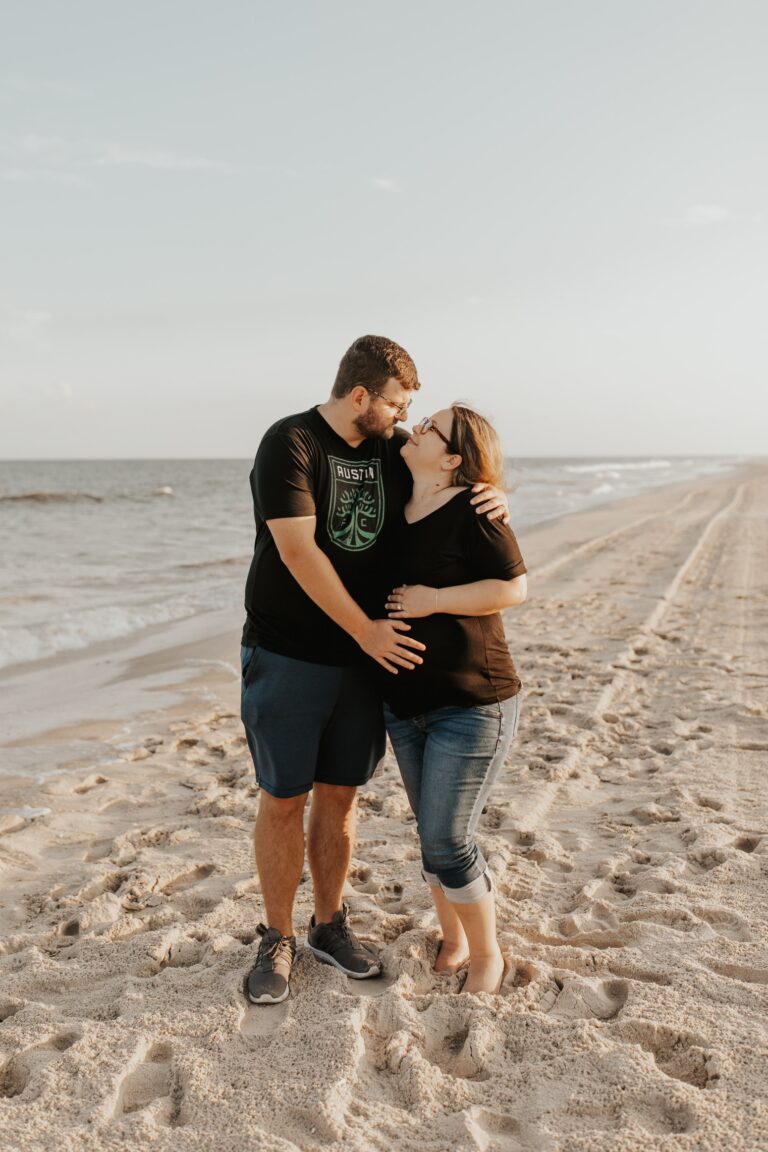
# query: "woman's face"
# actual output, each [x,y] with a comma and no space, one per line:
[427,448]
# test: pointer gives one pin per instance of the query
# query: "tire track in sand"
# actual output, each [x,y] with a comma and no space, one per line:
[543,794]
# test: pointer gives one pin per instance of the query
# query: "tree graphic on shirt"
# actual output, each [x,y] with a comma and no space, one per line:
[356,509]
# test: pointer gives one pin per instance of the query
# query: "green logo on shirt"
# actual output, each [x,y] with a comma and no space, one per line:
[356,511]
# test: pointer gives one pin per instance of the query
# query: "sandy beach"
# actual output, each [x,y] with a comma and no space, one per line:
[628,838]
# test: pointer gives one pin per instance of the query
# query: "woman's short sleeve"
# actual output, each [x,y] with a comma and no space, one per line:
[494,551]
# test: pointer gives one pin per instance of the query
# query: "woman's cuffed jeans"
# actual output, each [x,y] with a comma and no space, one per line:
[449,760]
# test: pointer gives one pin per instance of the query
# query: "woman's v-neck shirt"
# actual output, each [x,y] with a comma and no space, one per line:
[467,661]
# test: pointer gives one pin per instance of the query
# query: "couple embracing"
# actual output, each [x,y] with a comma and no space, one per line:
[381,565]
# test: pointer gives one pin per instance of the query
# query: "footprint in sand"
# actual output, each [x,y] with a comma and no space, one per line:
[644,975]
[447,1048]
[154,1085]
[262,1020]
[597,917]
[462,1042]
[16,1073]
[744,972]
[368,803]
[708,858]
[710,802]
[176,949]
[90,783]
[521,973]
[389,895]
[493,816]
[654,814]
[748,843]
[98,849]
[584,998]
[623,884]
[109,883]
[188,879]
[392,926]
[681,1055]
[8,1009]
[558,867]
[498,1132]
[725,922]
[676,918]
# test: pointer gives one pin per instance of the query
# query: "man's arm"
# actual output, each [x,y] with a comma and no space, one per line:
[294,537]
[490,501]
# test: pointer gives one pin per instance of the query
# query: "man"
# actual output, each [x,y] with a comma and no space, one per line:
[326,486]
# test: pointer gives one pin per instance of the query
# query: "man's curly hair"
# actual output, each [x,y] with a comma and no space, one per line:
[370,362]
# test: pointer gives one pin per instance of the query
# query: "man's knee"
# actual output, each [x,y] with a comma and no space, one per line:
[338,796]
[281,807]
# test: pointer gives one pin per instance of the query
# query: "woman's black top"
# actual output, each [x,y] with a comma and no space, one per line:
[467,660]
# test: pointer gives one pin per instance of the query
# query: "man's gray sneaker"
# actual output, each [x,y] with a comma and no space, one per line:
[268,982]
[336,944]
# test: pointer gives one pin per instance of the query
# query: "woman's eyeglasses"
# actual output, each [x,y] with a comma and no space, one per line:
[427,425]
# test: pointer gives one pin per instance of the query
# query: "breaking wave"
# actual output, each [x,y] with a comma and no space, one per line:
[50,498]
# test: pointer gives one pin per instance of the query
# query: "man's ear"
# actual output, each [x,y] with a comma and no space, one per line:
[357,395]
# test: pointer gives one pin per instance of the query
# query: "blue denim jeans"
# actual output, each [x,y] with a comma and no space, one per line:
[449,759]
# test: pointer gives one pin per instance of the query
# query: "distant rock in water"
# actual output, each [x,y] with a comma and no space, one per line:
[165,490]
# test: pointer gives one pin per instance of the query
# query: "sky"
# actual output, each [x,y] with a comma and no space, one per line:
[558,207]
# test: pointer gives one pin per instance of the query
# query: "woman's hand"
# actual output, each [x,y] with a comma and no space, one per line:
[411,600]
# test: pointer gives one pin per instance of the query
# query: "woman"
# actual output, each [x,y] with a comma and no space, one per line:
[451,719]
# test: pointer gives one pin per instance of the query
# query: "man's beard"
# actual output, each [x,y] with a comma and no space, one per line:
[372,427]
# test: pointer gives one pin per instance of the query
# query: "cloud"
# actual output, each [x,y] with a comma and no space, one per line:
[59,390]
[16,87]
[384,184]
[40,157]
[708,215]
[44,175]
[22,323]
[41,145]
[118,156]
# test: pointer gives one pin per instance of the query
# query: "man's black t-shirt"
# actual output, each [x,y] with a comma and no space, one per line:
[467,660]
[304,468]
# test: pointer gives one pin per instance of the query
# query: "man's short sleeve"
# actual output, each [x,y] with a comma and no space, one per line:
[282,477]
[494,550]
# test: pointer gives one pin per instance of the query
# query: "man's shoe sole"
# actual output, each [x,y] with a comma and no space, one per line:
[325,958]
[266,998]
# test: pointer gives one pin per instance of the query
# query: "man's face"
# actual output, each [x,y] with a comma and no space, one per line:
[386,408]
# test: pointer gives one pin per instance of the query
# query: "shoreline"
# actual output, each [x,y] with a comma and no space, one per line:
[628,838]
[160,666]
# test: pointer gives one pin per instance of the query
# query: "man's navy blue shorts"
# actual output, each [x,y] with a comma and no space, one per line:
[309,723]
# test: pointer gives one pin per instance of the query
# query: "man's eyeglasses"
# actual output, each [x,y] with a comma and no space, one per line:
[427,425]
[401,409]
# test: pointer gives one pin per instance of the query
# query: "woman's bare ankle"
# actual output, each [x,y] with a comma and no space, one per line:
[486,972]
[451,955]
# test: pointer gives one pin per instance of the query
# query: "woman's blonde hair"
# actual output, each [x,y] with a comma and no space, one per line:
[478,444]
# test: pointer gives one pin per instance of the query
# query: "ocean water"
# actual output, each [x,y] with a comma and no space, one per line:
[96,550]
